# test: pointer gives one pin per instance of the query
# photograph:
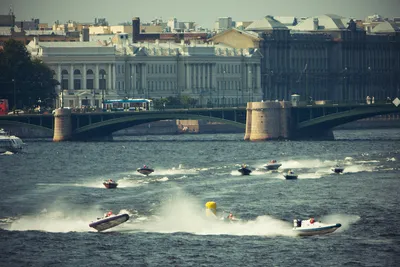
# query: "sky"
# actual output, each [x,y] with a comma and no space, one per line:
[203,12]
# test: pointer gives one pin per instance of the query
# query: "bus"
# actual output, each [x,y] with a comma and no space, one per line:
[128,104]
[3,106]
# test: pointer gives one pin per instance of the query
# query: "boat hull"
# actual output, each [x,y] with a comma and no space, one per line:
[319,230]
[337,170]
[273,166]
[290,176]
[110,185]
[109,222]
[244,171]
[145,171]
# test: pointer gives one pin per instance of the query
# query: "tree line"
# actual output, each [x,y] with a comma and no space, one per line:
[24,81]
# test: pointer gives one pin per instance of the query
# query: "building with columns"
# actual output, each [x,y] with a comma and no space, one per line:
[89,72]
[325,57]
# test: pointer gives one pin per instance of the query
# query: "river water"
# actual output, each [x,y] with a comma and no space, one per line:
[52,191]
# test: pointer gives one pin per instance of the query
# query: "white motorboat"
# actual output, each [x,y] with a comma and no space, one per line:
[312,227]
[108,221]
[9,142]
[272,165]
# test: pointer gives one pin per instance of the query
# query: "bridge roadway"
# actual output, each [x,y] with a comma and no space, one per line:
[305,119]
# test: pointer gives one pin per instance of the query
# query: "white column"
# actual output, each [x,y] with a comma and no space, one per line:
[187,66]
[258,75]
[84,86]
[134,79]
[203,73]
[214,76]
[71,77]
[144,80]
[59,77]
[96,77]
[108,77]
[113,75]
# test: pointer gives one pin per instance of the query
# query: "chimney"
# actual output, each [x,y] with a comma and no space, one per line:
[135,29]
[315,24]
[85,34]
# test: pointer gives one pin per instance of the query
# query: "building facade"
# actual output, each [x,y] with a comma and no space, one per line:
[324,58]
[89,72]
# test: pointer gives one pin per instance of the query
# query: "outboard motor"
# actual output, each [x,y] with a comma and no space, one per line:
[296,223]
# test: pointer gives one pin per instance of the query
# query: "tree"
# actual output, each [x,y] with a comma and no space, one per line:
[25,82]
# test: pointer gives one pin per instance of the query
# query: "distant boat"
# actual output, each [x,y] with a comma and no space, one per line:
[244,170]
[338,169]
[110,184]
[290,175]
[145,170]
[272,165]
[9,142]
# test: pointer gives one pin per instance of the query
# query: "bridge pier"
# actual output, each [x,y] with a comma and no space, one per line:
[268,121]
[62,125]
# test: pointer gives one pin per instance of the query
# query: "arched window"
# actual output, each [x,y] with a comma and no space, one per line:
[77,79]
[64,79]
[89,79]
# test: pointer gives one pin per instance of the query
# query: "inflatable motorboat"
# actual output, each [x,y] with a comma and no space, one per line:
[244,170]
[338,169]
[272,165]
[290,175]
[145,170]
[311,227]
[109,221]
[110,184]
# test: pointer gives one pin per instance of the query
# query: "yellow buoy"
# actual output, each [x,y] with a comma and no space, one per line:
[211,208]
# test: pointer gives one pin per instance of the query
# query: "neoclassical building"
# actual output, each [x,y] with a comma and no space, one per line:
[89,72]
[325,57]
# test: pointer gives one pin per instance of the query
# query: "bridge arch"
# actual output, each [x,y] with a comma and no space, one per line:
[106,128]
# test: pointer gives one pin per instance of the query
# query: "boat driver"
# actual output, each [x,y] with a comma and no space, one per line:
[312,220]
[230,216]
[108,214]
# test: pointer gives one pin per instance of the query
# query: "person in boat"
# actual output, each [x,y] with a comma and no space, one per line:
[312,220]
[144,167]
[244,166]
[108,214]
[230,216]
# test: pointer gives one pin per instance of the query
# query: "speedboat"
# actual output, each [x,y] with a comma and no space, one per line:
[145,170]
[109,221]
[272,165]
[311,227]
[337,169]
[290,175]
[9,142]
[244,170]
[110,184]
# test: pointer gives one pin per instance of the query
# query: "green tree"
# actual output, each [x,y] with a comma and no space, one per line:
[24,82]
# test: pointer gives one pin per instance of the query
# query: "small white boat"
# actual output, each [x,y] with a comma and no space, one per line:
[311,227]
[9,142]
[272,165]
[109,221]
[290,175]
[338,169]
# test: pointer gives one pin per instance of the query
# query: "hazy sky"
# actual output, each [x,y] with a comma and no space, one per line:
[204,12]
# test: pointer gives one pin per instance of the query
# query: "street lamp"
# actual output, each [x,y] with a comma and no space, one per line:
[102,85]
[15,95]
